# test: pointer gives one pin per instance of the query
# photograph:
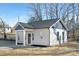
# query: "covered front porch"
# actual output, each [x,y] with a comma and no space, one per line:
[24,37]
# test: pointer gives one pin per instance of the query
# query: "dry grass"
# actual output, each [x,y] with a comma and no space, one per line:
[33,51]
[56,50]
[72,54]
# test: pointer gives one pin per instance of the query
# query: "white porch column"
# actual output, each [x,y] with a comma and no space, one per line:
[24,38]
[16,38]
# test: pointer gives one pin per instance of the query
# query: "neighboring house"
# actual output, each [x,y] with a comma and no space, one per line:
[13,30]
[7,29]
[46,32]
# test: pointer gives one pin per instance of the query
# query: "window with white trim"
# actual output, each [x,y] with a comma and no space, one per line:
[57,35]
[32,36]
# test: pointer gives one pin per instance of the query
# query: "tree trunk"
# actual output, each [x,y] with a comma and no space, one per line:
[4,31]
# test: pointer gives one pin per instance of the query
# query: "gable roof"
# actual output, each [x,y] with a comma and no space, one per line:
[39,24]
[26,25]
[18,27]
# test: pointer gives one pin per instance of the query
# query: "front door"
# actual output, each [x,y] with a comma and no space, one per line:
[29,38]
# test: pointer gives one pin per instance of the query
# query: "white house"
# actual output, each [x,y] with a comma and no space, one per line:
[7,28]
[46,32]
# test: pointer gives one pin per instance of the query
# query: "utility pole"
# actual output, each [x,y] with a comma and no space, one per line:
[18,18]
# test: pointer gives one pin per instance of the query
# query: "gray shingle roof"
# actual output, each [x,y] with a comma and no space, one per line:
[39,24]
[26,25]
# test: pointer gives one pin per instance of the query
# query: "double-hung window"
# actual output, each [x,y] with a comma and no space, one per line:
[32,36]
[57,35]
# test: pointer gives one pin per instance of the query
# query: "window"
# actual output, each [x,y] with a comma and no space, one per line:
[18,37]
[63,36]
[32,36]
[53,27]
[41,37]
[8,28]
[57,35]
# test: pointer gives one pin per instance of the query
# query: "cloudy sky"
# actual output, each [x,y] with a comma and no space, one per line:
[10,12]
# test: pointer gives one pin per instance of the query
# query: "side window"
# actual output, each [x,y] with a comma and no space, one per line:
[53,27]
[18,37]
[57,35]
[8,28]
[63,35]
[32,36]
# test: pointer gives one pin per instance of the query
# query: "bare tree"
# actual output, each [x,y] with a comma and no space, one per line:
[32,19]
[46,10]
[57,11]
[51,13]
[37,11]
[66,11]
[73,19]
[3,26]
[73,11]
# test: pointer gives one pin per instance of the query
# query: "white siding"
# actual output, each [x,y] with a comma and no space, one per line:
[41,37]
[26,38]
[44,36]
[20,36]
[53,36]
[8,30]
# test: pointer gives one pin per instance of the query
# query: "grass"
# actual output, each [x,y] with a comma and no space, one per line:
[55,50]
[32,51]
[72,54]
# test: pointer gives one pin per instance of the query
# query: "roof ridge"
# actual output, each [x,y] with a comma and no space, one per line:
[43,20]
[40,21]
[39,24]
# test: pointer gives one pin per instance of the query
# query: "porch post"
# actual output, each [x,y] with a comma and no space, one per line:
[24,38]
[16,38]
